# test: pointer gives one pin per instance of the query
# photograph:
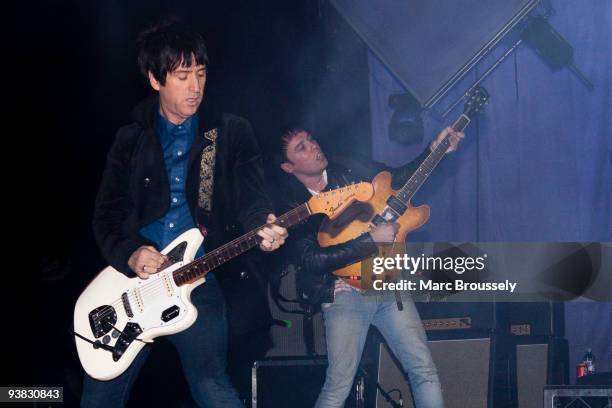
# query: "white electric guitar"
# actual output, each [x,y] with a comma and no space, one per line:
[116,316]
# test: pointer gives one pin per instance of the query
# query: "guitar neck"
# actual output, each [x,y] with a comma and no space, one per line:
[429,164]
[201,266]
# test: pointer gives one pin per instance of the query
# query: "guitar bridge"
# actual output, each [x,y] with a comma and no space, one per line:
[102,319]
[126,305]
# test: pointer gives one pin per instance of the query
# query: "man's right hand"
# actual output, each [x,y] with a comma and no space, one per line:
[146,261]
[384,232]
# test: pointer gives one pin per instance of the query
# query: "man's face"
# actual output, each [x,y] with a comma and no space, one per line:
[304,155]
[181,95]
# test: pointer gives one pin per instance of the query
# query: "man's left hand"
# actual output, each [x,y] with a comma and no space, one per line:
[273,235]
[454,139]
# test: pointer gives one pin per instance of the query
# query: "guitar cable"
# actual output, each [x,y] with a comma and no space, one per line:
[98,344]
[95,344]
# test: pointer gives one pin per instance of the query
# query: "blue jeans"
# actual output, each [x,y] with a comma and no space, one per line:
[347,321]
[202,349]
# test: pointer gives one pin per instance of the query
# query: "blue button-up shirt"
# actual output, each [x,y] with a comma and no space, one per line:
[176,141]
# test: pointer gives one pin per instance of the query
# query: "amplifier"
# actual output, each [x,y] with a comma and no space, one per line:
[531,318]
[453,323]
[300,335]
[476,316]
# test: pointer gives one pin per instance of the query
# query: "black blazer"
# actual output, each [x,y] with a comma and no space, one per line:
[135,191]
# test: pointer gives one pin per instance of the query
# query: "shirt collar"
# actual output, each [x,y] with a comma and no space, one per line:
[167,130]
[313,192]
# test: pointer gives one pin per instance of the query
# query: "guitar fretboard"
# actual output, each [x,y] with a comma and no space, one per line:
[430,163]
[201,266]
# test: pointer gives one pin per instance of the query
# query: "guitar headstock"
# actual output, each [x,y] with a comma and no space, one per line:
[475,101]
[333,202]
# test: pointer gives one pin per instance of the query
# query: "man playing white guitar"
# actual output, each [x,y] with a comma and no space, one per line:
[159,180]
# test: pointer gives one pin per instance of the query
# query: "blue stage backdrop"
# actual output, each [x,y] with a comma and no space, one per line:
[536,166]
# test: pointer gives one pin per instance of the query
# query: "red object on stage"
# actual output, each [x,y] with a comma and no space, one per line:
[581,369]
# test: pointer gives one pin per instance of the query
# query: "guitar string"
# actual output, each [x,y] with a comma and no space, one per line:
[414,183]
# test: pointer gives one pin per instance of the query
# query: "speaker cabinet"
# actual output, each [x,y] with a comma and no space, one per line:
[496,371]
[294,383]
[537,361]
[463,368]
[531,364]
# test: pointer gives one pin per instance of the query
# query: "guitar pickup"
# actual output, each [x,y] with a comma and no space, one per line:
[397,205]
[170,313]
[377,220]
[126,305]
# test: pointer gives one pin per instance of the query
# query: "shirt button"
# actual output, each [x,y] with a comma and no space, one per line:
[179,153]
[177,179]
[171,225]
[175,200]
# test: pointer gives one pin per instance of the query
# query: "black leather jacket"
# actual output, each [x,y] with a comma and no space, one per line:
[314,280]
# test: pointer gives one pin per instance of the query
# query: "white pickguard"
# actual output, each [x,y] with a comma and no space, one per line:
[147,299]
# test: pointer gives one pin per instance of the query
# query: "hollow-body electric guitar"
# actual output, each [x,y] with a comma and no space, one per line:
[388,205]
[116,316]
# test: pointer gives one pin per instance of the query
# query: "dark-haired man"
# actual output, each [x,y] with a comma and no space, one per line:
[179,165]
[347,312]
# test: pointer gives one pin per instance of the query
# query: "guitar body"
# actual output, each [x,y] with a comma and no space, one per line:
[158,307]
[357,219]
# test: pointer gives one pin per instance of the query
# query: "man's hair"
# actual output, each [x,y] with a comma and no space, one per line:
[286,138]
[164,47]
